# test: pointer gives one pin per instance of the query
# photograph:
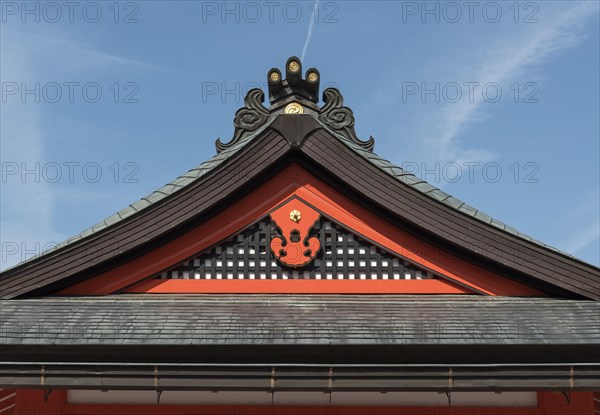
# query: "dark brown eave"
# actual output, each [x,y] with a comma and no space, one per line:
[304,139]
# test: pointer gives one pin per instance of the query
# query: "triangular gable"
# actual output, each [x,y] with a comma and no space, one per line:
[338,214]
[344,256]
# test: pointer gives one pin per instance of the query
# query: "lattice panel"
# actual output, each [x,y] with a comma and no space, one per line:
[342,256]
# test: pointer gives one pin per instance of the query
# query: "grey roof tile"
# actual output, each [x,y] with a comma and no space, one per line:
[498,224]
[184,181]
[350,319]
[78,237]
[469,210]
[424,187]
[155,197]
[397,171]
[410,179]
[454,202]
[128,211]
[86,232]
[140,204]
[524,236]
[112,219]
[194,173]
[99,226]
[483,217]
[439,195]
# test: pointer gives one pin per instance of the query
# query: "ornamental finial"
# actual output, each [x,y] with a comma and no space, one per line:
[293,85]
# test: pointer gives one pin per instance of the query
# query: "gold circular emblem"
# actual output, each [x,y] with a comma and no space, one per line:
[294,66]
[312,77]
[295,216]
[274,76]
[294,108]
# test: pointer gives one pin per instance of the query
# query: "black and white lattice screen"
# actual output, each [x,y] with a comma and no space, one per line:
[343,255]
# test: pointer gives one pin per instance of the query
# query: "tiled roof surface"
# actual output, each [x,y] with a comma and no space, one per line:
[185,319]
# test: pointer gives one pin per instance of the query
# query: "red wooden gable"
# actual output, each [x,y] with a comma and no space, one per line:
[303,190]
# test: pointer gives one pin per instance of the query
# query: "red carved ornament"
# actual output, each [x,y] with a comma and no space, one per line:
[295,219]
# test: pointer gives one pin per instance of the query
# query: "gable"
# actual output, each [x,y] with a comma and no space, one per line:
[247,258]
[340,216]
[344,255]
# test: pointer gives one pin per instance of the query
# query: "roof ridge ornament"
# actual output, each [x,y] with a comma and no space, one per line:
[247,119]
[341,119]
[293,87]
[291,96]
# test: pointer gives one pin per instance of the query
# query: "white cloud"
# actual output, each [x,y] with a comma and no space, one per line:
[502,61]
[26,202]
[80,50]
[587,231]
[583,238]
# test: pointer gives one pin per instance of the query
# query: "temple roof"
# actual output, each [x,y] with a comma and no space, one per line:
[296,97]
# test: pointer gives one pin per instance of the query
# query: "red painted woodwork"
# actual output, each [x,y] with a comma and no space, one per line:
[31,402]
[555,403]
[7,401]
[295,181]
[295,217]
[298,287]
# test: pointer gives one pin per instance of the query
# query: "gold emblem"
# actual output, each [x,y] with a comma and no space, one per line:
[295,216]
[312,77]
[274,76]
[294,66]
[294,108]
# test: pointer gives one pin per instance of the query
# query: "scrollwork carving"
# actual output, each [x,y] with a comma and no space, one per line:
[247,119]
[341,119]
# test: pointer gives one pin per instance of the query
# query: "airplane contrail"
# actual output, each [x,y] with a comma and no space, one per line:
[310,29]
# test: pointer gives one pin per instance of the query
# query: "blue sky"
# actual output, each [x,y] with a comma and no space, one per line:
[497,104]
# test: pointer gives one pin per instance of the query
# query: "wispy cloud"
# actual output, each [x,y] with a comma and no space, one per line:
[26,202]
[502,62]
[583,224]
[29,203]
[583,238]
[81,49]
[310,29]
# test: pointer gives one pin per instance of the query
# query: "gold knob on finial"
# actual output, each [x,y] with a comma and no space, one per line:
[294,66]
[274,76]
[294,108]
[295,216]
[313,77]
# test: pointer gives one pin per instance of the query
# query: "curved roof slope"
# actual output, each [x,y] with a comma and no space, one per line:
[325,135]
